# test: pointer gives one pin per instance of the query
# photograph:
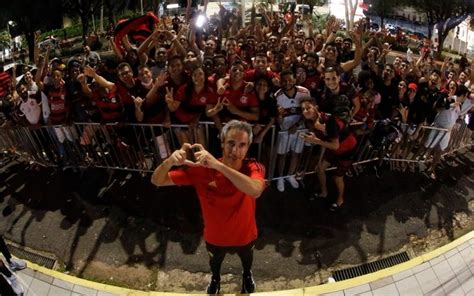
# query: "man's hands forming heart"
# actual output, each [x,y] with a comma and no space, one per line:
[201,156]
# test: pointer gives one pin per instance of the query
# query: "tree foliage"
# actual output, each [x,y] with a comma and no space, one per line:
[444,15]
[384,8]
[30,16]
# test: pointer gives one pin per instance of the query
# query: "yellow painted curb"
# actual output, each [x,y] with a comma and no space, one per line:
[315,290]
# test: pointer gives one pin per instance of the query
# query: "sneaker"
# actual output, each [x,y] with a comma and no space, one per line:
[248,284]
[214,286]
[293,182]
[16,264]
[281,185]
[13,280]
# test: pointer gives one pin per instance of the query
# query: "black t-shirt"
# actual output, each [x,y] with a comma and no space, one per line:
[268,110]
[428,96]
[389,99]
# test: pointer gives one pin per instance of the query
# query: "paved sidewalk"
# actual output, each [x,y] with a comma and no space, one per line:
[449,273]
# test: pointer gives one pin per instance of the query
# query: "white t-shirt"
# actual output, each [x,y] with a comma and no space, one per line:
[291,105]
[31,108]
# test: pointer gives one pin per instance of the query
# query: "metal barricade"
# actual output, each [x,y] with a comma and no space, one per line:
[142,147]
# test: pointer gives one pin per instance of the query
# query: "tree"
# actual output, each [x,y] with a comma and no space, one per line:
[350,9]
[83,8]
[444,15]
[383,8]
[30,16]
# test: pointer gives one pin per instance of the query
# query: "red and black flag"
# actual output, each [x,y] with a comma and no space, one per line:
[137,29]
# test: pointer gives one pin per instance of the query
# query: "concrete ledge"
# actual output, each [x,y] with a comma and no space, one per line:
[315,290]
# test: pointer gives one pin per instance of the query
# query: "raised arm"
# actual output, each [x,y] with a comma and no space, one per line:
[349,65]
[90,72]
[244,183]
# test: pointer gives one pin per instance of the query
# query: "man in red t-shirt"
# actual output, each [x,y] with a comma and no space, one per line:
[227,189]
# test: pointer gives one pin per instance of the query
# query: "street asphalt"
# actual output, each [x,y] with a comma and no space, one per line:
[116,227]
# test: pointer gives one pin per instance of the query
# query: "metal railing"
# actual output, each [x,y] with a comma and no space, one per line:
[142,147]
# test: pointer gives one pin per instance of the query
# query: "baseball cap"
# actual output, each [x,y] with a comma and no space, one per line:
[413,86]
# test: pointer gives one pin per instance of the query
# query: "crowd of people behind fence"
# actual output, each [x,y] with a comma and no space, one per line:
[312,82]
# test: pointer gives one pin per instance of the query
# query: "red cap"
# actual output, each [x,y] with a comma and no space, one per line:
[413,86]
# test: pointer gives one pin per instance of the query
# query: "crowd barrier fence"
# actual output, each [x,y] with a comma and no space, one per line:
[142,147]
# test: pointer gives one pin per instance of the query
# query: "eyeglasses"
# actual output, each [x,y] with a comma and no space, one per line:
[331,49]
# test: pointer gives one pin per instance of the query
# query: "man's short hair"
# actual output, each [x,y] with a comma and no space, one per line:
[175,57]
[436,71]
[237,124]
[331,69]
[261,54]
[123,65]
[287,72]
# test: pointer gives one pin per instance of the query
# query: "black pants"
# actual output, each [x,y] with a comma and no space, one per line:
[4,250]
[5,288]
[217,255]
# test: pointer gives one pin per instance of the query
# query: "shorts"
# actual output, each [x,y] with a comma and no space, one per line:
[287,142]
[438,138]
[64,132]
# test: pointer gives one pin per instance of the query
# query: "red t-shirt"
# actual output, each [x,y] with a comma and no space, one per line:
[241,100]
[229,214]
[191,108]
[252,73]
[57,103]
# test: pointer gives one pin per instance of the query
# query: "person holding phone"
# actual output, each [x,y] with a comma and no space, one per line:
[227,189]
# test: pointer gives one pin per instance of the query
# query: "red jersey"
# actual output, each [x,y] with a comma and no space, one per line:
[109,106]
[241,100]
[229,214]
[191,108]
[57,104]
[252,73]
[5,83]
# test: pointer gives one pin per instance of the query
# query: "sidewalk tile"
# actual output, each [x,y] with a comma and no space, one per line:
[44,277]
[467,280]
[463,246]
[451,252]
[28,271]
[468,255]
[25,280]
[409,285]
[421,267]
[381,283]
[357,290]
[402,275]
[471,241]
[457,263]
[84,290]
[443,271]
[63,284]
[337,293]
[366,294]
[56,291]
[102,293]
[388,290]
[427,280]
[453,287]
[437,260]
[38,287]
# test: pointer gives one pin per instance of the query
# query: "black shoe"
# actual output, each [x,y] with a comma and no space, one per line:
[214,286]
[248,284]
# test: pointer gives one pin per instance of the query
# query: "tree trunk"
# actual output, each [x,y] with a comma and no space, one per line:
[85,26]
[441,37]
[382,18]
[30,39]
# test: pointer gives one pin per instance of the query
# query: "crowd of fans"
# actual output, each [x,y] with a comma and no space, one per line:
[313,83]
